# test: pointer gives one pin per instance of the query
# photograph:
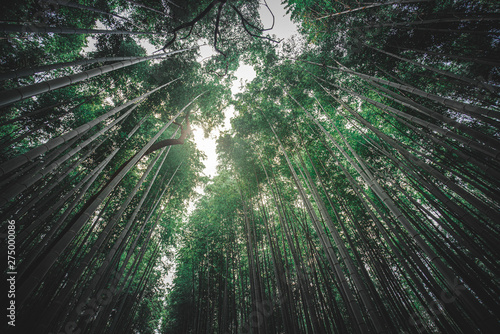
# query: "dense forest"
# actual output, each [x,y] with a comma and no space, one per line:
[357,190]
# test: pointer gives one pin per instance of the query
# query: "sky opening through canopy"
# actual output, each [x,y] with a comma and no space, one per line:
[283,28]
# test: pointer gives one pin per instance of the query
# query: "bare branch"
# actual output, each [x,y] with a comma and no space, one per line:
[191,23]
[272,14]
[185,131]
[244,23]
[216,33]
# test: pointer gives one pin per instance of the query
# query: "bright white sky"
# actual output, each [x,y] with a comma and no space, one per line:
[283,29]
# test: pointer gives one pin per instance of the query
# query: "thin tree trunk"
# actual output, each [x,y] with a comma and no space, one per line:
[44,266]
[21,93]
[28,180]
[32,154]
[473,111]
[451,280]
[24,72]
[39,29]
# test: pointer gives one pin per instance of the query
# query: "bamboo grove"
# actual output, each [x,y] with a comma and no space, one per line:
[357,191]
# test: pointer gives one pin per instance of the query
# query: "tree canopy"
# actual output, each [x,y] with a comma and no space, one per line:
[358,189]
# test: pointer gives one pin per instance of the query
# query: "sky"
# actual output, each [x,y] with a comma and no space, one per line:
[284,28]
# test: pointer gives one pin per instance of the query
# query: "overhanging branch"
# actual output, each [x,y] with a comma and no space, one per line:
[185,131]
[244,23]
[191,23]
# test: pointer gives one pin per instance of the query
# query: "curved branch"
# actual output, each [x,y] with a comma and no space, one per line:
[216,32]
[189,33]
[272,14]
[244,23]
[185,131]
[191,23]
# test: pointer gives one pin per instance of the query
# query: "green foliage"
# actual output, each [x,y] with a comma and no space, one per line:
[357,186]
